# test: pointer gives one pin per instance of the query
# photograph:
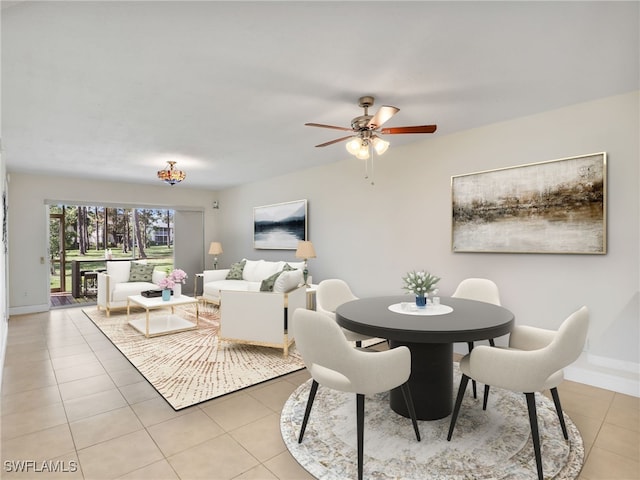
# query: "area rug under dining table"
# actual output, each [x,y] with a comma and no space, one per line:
[493,444]
[193,366]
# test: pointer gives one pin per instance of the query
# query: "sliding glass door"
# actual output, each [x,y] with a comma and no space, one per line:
[82,237]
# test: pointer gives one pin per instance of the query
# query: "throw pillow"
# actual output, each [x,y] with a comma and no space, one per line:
[235,272]
[140,272]
[288,281]
[267,284]
[287,268]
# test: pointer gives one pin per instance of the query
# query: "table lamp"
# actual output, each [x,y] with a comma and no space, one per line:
[215,249]
[305,250]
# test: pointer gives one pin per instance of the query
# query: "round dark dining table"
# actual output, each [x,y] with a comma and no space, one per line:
[429,337]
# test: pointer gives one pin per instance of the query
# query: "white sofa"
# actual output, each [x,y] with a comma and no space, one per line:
[251,316]
[116,284]
[254,272]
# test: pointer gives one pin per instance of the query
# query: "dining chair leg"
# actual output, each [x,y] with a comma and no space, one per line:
[406,393]
[473,382]
[556,401]
[312,396]
[456,409]
[535,436]
[360,430]
[486,397]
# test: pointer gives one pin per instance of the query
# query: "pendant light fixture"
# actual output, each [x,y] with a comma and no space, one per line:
[170,175]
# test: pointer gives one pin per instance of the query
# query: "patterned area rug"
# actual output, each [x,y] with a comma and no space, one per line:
[491,444]
[190,367]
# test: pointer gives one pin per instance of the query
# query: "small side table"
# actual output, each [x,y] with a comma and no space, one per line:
[311,296]
[195,283]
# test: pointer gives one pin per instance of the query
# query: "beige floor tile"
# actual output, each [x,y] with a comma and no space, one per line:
[65,362]
[605,465]
[273,395]
[259,472]
[161,470]
[24,401]
[86,386]
[184,432]
[580,403]
[139,392]
[157,410]
[100,402]
[261,438]
[619,440]
[40,418]
[79,371]
[117,457]
[624,413]
[117,363]
[126,375]
[588,428]
[39,445]
[105,426]
[22,380]
[220,458]
[13,359]
[285,467]
[236,411]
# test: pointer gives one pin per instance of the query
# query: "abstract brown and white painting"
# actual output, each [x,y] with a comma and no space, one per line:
[558,206]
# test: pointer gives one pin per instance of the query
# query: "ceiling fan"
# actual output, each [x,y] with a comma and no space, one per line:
[366,130]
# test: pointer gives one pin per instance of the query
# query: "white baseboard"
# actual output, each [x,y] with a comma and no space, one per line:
[608,373]
[29,309]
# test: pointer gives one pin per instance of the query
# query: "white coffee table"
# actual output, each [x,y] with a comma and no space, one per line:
[164,323]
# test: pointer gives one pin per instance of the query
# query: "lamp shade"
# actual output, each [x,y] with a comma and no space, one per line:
[215,248]
[305,250]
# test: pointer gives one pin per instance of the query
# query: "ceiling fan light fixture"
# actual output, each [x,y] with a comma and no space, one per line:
[170,175]
[354,145]
[363,152]
[380,145]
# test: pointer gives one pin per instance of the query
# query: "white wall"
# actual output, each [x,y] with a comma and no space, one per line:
[4,294]
[28,257]
[372,235]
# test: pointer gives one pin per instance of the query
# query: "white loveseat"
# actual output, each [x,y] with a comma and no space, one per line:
[117,283]
[251,316]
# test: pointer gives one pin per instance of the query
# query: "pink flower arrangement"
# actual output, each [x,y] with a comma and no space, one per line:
[176,276]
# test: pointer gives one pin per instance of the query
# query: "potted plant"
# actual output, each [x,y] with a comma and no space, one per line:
[420,283]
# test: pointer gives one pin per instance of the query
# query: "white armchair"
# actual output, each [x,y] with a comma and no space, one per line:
[116,284]
[533,362]
[260,318]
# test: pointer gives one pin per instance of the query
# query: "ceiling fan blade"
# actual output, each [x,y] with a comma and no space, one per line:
[329,126]
[414,129]
[334,141]
[382,115]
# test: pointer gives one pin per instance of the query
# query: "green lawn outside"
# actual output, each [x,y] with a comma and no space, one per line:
[161,256]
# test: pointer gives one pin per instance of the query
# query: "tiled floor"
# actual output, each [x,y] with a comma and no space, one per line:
[69,398]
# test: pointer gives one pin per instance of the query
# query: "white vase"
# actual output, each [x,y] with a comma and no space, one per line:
[177,290]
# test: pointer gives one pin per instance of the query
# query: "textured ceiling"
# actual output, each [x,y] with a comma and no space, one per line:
[113,89]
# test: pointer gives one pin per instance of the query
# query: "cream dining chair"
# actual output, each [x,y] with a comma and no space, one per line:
[334,363]
[330,295]
[482,290]
[533,362]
